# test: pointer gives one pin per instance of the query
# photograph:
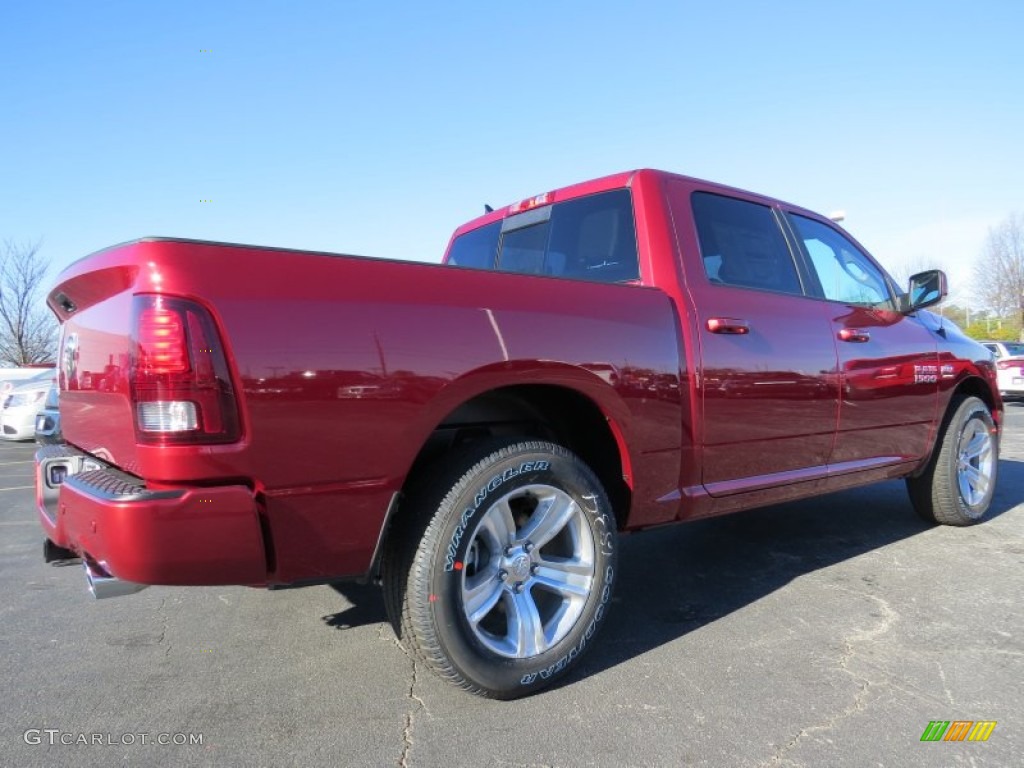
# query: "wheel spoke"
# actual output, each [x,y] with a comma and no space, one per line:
[986,452]
[977,479]
[976,446]
[498,526]
[571,582]
[480,597]
[525,628]
[548,519]
[565,565]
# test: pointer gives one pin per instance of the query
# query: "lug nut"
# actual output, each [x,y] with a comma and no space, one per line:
[502,575]
[528,546]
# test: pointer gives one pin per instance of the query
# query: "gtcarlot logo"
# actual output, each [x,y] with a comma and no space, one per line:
[56,737]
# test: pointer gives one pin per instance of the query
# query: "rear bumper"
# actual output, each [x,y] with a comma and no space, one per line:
[186,536]
[1011,384]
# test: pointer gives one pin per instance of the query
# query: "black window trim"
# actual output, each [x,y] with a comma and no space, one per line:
[817,290]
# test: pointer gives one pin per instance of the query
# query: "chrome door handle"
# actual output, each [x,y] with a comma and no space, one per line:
[854,335]
[731,325]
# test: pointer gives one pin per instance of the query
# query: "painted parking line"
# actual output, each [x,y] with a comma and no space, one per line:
[8,463]
[18,522]
[17,488]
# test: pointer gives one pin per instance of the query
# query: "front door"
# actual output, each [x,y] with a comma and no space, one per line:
[889,370]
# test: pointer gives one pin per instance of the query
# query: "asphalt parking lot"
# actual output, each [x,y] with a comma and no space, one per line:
[823,633]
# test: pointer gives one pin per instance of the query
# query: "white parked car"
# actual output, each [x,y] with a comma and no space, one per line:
[1009,367]
[22,403]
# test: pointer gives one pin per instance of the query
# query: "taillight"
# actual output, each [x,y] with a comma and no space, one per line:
[1006,365]
[161,341]
[180,383]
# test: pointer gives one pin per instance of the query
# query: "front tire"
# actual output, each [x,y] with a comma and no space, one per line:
[957,486]
[503,573]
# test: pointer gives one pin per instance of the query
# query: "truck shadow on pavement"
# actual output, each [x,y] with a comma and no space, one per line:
[675,580]
[367,606]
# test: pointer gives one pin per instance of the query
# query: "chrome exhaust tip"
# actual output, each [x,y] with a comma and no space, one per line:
[102,585]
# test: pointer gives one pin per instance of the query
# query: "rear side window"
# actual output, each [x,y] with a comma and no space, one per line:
[742,245]
[588,238]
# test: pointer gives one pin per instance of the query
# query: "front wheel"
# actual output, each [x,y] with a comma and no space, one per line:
[957,486]
[503,575]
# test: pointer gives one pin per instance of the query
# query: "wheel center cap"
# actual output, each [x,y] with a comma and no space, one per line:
[519,567]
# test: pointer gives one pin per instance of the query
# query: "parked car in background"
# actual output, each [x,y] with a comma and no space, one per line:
[1009,367]
[12,377]
[20,406]
[48,430]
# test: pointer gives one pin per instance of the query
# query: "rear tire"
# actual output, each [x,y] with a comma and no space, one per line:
[958,484]
[503,571]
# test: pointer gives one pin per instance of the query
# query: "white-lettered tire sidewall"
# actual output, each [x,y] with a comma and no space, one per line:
[505,677]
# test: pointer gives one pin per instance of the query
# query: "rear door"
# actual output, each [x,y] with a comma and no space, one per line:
[766,351]
[889,369]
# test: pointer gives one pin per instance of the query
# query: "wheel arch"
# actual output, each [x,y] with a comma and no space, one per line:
[979,388]
[554,412]
[969,386]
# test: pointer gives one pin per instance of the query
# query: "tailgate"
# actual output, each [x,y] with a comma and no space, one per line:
[95,306]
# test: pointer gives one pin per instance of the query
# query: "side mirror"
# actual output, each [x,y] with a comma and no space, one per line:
[926,289]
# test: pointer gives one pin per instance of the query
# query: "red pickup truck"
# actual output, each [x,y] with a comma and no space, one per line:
[633,351]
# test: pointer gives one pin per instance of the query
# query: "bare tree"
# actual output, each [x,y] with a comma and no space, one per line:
[28,330]
[902,272]
[999,273]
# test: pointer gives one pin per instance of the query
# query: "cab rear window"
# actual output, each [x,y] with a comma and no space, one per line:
[477,248]
[588,238]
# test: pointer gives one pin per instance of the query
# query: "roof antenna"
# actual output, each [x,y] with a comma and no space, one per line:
[488,209]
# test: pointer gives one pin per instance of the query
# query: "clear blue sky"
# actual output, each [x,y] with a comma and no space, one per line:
[376,128]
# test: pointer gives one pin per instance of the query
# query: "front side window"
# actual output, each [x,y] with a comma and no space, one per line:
[742,245]
[845,273]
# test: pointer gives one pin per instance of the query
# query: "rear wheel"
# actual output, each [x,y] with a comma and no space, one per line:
[958,484]
[503,575]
